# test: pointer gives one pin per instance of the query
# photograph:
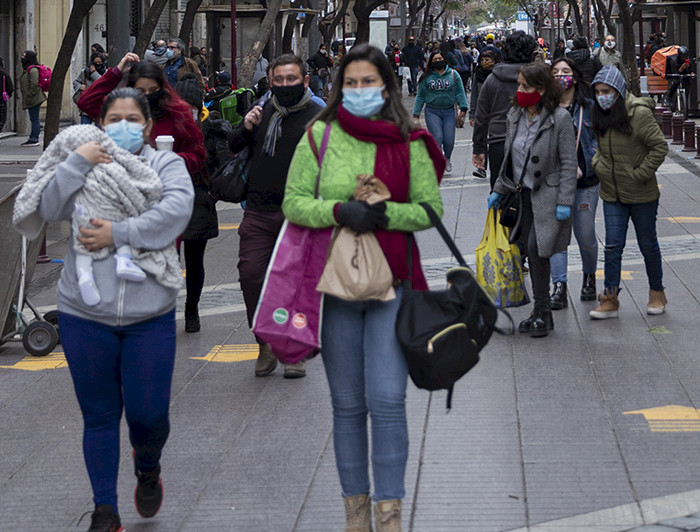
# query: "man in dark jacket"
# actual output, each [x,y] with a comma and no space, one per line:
[320,64]
[587,64]
[272,133]
[414,58]
[495,98]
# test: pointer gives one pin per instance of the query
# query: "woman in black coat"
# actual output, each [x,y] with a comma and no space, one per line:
[587,63]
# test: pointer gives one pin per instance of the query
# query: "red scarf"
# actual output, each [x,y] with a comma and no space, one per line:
[392,166]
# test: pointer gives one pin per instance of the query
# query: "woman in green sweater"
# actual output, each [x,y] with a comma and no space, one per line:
[370,133]
[439,89]
[631,147]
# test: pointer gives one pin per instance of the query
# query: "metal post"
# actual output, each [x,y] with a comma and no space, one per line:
[641,46]
[677,123]
[234,44]
[697,135]
[118,18]
[402,14]
[658,114]
[666,119]
[689,135]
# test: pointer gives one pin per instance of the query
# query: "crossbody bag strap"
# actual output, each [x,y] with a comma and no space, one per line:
[437,223]
[319,154]
[580,126]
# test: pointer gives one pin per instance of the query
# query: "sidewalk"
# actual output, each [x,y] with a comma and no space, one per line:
[593,428]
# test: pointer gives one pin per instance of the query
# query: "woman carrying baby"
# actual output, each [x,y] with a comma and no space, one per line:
[121,350]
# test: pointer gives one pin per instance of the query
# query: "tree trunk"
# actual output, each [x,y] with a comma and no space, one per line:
[414,9]
[599,22]
[424,25]
[330,22]
[628,50]
[605,13]
[362,10]
[288,34]
[247,68]
[573,4]
[149,26]
[188,19]
[80,10]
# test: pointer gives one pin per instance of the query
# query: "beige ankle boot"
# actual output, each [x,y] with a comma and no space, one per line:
[609,306]
[387,516]
[358,513]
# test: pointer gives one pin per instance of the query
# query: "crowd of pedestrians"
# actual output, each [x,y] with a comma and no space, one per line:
[556,136]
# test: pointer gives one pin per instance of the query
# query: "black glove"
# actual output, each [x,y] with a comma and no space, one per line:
[362,217]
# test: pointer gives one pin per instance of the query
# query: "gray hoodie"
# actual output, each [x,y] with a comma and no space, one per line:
[495,99]
[123,302]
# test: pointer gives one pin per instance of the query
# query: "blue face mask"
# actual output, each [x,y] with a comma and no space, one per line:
[169,53]
[606,101]
[363,102]
[127,135]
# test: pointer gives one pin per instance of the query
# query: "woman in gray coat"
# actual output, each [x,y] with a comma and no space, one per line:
[540,165]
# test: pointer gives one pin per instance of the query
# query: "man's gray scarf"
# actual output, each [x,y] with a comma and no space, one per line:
[124,188]
[274,127]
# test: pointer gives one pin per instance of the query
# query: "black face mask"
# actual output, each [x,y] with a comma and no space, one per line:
[24,62]
[99,68]
[438,65]
[289,95]
[154,103]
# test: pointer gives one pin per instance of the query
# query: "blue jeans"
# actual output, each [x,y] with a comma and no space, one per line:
[319,85]
[126,368]
[585,206]
[35,121]
[367,374]
[617,216]
[441,124]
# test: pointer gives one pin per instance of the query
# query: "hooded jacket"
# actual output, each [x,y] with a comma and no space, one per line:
[32,94]
[612,58]
[588,64]
[626,164]
[495,100]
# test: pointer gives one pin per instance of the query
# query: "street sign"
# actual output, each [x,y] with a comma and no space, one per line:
[522,15]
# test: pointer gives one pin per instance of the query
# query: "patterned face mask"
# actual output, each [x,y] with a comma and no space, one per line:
[605,101]
[565,81]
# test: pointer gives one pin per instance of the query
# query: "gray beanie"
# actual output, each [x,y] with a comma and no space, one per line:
[611,75]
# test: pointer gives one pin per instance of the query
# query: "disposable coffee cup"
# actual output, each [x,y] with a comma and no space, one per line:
[164,142]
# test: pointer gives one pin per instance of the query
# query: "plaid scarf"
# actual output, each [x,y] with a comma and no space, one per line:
[274,128]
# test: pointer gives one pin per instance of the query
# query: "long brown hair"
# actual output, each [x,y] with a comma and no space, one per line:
[539,75]
[392,111]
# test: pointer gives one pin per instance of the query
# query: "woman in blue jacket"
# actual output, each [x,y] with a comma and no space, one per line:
[439,89]
[575,99]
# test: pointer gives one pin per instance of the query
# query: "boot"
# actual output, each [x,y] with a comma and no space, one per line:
[387,516]
[526,325]
[267,361]
[295,371]
[657,302]
[358,513]
[191,318]
[609,305]
[588,292]
[541,324]
[559,300]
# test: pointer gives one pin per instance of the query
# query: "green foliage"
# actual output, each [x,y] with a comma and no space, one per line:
[501,10]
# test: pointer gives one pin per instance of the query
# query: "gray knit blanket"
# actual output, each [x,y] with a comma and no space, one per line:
[122,189]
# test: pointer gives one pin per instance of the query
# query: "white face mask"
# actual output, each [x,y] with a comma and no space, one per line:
[610,44]
[195,115]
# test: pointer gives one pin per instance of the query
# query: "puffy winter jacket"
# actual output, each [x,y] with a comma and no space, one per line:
[626,164]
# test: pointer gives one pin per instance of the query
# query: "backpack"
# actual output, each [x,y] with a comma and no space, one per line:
[232,105]
[44,77]
[660,59]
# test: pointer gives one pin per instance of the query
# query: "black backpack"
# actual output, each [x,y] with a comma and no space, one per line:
[441,332]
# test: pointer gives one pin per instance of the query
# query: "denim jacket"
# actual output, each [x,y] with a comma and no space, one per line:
[588,142]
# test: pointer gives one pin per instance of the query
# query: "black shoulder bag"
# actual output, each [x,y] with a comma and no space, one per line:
[230,182]
[441,332]
[511,203]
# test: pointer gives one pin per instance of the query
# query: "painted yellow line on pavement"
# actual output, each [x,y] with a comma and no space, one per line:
[31,363]
[228,227]
[683,219]
[626,275]
[671,418]
[231,353]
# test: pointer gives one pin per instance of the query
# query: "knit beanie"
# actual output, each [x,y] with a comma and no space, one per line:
[189,90]
[223,78]
[611,75]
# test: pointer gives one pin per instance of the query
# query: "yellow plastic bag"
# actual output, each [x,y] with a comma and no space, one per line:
[499,266]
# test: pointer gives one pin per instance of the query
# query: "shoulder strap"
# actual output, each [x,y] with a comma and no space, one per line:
[580,126]
[444,234]
[319,155]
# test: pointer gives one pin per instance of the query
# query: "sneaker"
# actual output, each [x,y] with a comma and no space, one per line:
[104,519]
[448,167]
[30,144]
[609,306]
[295,371]
[657,302]
[88,288]
[481,174]
[267,361]
[148,495]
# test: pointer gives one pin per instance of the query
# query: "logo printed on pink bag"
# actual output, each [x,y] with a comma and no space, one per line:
[280,316]
[299,320]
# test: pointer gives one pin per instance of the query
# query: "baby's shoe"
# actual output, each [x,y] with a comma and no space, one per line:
[88,288]
[126,269]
